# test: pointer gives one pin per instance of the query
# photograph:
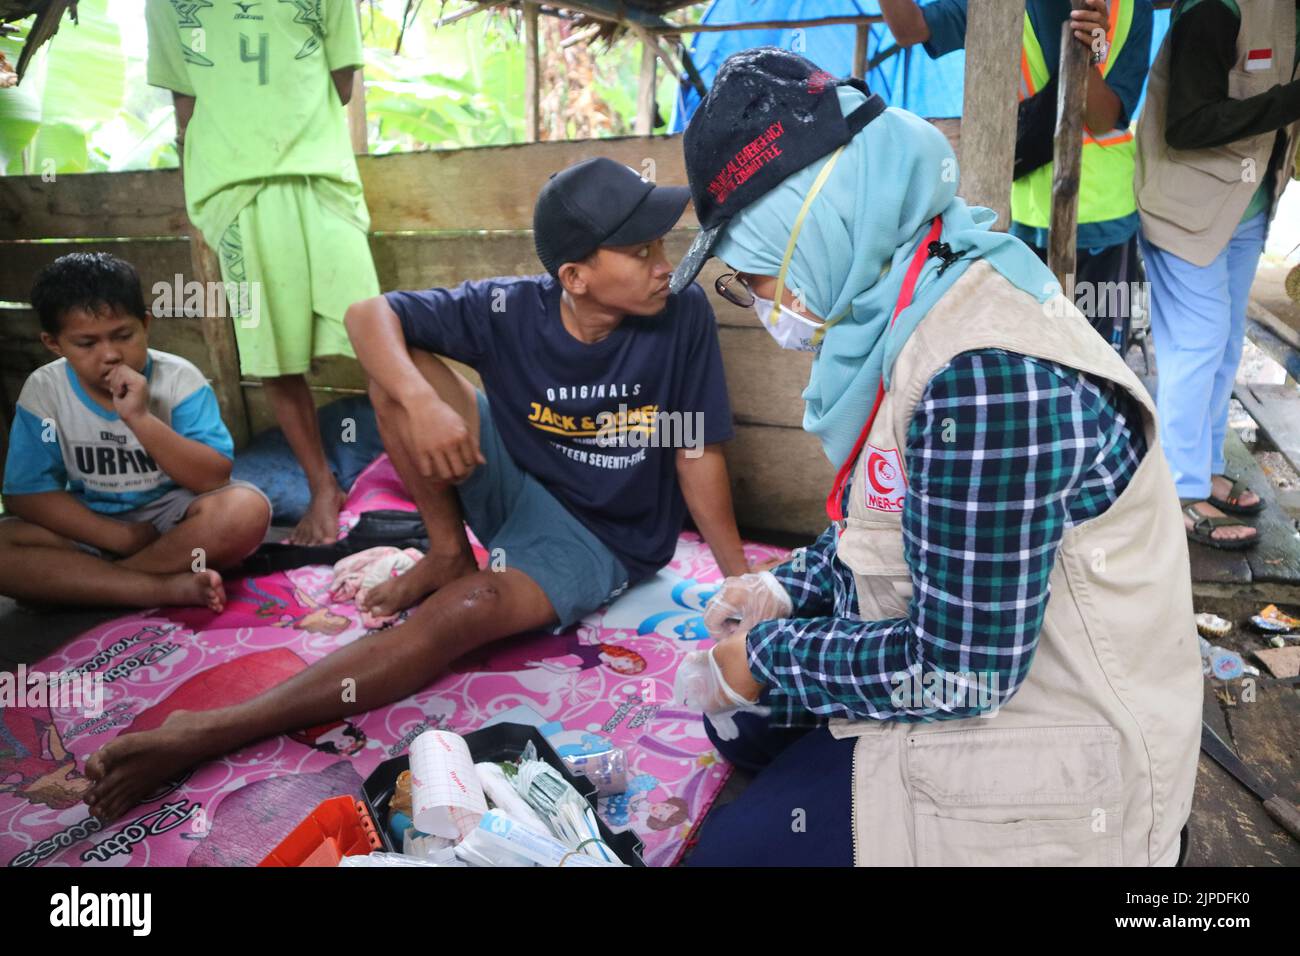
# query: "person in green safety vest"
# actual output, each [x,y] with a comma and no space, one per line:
[1108,273]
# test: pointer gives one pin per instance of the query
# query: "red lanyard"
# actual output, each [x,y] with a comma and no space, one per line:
[834,500]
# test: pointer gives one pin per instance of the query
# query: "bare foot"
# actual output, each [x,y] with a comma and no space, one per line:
[430,573]
[320,525]
[1221,487]
[1228,533]
[128,769]
[201,589]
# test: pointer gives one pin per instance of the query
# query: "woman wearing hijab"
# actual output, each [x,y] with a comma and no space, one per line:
[993,641]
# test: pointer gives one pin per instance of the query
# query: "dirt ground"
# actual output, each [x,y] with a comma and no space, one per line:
[1260,718]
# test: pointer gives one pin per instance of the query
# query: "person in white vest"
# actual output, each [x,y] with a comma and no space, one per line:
[1216,147]
[989,657]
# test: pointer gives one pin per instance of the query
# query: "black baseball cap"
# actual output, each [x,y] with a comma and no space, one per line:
[599,202]
[769,114]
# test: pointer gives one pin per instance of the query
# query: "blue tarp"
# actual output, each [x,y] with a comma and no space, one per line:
[909,79]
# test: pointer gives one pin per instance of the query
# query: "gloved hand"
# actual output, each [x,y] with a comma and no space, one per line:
[699,685]
[744,601]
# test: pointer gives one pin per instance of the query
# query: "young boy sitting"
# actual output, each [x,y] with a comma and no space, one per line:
[118,472]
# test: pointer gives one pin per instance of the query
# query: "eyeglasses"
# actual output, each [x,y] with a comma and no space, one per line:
[734,289]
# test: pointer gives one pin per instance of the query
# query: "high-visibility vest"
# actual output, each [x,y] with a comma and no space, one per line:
[1106,176]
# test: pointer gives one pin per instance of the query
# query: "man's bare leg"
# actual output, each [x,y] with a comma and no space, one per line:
[225,527]
[450,556]
[40,566]
[295,413]
[380,668]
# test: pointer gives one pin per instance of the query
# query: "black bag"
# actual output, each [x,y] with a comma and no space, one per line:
[398,529]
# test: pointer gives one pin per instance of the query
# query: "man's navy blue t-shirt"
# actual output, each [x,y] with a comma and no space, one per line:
[577,416]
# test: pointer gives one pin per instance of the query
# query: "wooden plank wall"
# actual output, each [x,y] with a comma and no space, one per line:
[437,218]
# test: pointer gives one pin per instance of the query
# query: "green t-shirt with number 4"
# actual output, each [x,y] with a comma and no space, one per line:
[265,104]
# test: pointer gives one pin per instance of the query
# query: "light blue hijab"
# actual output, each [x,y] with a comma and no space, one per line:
[857,240]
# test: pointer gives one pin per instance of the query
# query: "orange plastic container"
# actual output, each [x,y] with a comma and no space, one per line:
[339,827]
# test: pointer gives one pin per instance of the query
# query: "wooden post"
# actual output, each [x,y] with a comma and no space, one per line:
[219,336]
[665,57]
[1067,155]
[532,129]
[645,97]
[860,51]
[988,125]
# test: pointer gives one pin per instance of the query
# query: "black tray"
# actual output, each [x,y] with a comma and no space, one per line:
[497,743]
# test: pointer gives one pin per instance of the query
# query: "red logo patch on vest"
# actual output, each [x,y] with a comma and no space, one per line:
[886,484]
[1259,60]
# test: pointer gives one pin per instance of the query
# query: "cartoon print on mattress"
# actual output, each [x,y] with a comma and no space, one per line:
[241,679]
[641,609]
[34,762]
[552,651]
[607,681]
[275,600]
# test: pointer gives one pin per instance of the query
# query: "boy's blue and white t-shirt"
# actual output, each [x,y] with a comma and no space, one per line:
[63,440]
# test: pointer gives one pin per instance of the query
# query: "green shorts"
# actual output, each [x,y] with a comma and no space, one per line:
[296,265]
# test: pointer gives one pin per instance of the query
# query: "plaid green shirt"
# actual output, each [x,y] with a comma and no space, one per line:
[1033,448]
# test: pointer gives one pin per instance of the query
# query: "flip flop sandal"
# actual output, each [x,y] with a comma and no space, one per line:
[1203,530]
[1232,503]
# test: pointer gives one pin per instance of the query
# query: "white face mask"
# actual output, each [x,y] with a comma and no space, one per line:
[790,329]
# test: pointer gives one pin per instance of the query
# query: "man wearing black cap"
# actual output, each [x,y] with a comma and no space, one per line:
[602,407]
[582,367]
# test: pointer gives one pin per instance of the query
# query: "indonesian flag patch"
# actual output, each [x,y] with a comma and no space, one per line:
[1259,60]
[886,484]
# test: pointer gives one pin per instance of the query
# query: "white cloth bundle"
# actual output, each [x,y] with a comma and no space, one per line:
[502,793]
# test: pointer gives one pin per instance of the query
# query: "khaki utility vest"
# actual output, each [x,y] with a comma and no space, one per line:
[1192,200]
[1093,760]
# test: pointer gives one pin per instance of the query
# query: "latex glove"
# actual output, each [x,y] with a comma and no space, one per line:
[744,601]
[699,685]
